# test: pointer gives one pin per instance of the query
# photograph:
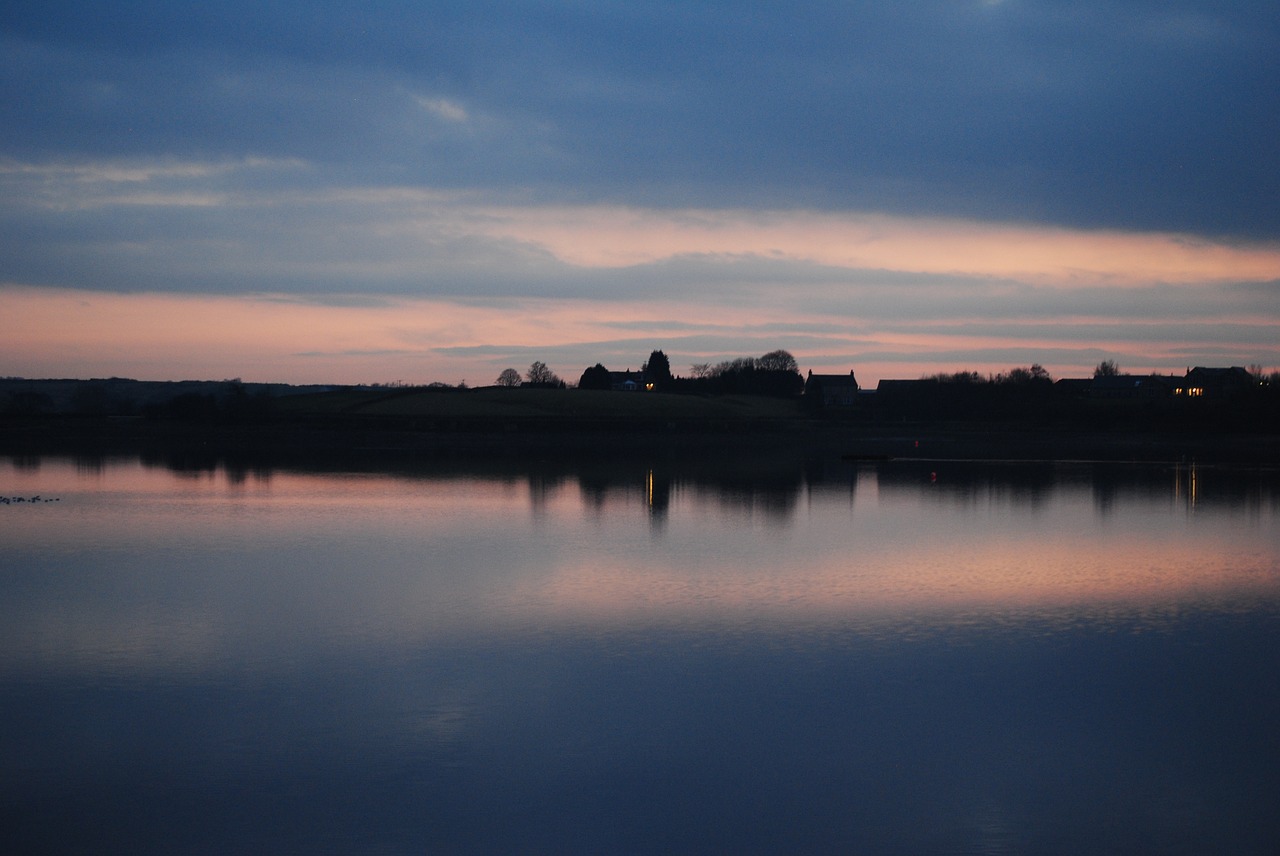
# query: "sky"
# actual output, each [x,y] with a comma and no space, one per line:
[377,192]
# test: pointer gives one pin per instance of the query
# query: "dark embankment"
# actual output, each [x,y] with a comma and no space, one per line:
[484,423]
[502,424]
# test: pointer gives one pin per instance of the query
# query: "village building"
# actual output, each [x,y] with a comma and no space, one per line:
[831,390]
[627,381]
[1226,383]
[1125,386]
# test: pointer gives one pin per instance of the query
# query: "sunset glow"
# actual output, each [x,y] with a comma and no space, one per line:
[939,194]
[610,237]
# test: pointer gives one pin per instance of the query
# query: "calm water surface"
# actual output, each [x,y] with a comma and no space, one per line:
[900,658]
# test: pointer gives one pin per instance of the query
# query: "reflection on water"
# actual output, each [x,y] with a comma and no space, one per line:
[909,657]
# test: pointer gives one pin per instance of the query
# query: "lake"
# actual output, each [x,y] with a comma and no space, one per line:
[894,658]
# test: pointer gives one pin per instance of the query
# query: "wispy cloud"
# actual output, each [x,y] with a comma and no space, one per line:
[443,108]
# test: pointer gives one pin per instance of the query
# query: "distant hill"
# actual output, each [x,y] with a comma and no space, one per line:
[126,397]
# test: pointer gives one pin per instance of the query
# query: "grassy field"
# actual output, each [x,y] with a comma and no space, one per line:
[492,423]
[520,404]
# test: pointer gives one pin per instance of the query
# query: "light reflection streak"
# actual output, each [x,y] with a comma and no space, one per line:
[1185,485]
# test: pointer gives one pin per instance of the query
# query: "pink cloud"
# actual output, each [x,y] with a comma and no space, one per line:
[615,237]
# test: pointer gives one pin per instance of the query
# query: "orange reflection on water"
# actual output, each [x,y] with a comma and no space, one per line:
[270,559]
[914,580]
[901,554]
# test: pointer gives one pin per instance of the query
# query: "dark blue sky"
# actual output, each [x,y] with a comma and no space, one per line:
[1134,115]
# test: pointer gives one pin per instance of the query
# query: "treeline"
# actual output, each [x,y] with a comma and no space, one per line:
[1205,399]
[1024,376]
[1035,374]
[229,400]
[773,374]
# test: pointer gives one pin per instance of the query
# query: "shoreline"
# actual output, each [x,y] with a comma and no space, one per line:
[497,439]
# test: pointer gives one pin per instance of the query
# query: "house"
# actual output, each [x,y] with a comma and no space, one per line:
[1202,382]
[1073,387]
[1125,386]
[831,390]
[627,381]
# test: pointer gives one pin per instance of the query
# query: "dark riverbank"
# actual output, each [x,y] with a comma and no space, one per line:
[200,420]
[355,438]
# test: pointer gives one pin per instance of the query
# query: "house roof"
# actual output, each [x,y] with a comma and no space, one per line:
[1125,381]
[1234,374]
[832,380]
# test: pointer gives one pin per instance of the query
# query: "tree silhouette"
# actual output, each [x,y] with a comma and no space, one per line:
[778,361]
[596,377]
[539,375]
[1106,368]
[509,377]
[775,374]
[657,370]
[1035,373]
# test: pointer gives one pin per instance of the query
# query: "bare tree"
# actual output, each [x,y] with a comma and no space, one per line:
[1106,368]
[778,361]
[1035,373]
[509,377]
[965,376]
[538,373]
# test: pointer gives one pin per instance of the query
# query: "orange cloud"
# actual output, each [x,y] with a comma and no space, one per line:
[68,333]
[616,237]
